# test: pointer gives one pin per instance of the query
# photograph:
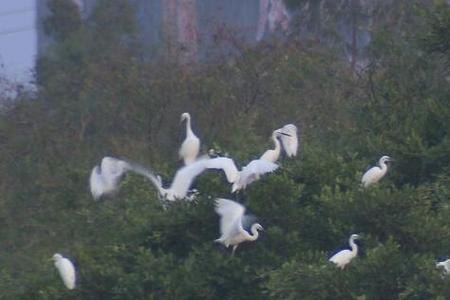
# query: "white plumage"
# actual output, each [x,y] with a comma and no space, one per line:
[344,257]
[289,140]
[105,178]
[231,224]
[252,172]
[66,270]
[185,176]
[272,155]
[374,174]
[444,264]
[191,145]
[227,165]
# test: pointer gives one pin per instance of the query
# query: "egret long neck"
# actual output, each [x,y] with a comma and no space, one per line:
[354,247]
[188,126]
[277,143]
[255,233]
[383,167]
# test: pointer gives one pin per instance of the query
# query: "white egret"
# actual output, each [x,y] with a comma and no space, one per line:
[444,264]
[186,175]
[66,270]
[231,224]
[252,172]
[191,145]
[343,257]
[272,155]
[289,140]
[105,178]
[374,174]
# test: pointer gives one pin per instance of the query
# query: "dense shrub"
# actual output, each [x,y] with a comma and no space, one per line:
[98,97]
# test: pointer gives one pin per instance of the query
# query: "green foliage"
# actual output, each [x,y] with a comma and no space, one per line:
[436,39]
[98,97]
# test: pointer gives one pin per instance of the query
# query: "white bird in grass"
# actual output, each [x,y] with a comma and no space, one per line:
[289,140]
[191,145]
[272,155]
[252,172]
[444,264]
[105,178]
[374,174]
[185,176]
[232,219]
[66,270]
[342,258]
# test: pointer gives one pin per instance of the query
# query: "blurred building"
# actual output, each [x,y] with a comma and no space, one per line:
[190,28]
[193,30]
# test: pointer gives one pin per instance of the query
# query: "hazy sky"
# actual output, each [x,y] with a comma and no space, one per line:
[17,38]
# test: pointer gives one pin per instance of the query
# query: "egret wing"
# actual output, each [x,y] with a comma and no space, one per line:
[371,176]
[290,143]
[227,165]
[185,176]
[341,257]
[139,169]
[254,169]
[67,272]
[95,183]
[231,214]
[111,166]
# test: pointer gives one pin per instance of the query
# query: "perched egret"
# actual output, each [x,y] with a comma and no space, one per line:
[444,264]
[272,155]
[253,172]
[105,178]
[374,174]
[232,219]
[186,175]
[66,270]
[289,139]
[191,145]
[343,257]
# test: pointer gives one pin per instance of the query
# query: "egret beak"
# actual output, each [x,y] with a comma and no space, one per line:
[285,134]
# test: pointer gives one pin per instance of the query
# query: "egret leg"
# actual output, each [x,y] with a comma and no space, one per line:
[234,249]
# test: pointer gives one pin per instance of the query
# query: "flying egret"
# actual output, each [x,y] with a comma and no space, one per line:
[105,178]
[186,175]
[444,264]
[374,174]
[191,145]
[66,270]
[343,257]
[289,140]
[253,172]
[231,224]
[272,155]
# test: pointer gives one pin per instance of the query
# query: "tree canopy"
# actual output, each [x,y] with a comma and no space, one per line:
[98,96]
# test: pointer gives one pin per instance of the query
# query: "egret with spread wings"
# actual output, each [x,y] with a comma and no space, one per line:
[105,178]
[232,219]
[185,176]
